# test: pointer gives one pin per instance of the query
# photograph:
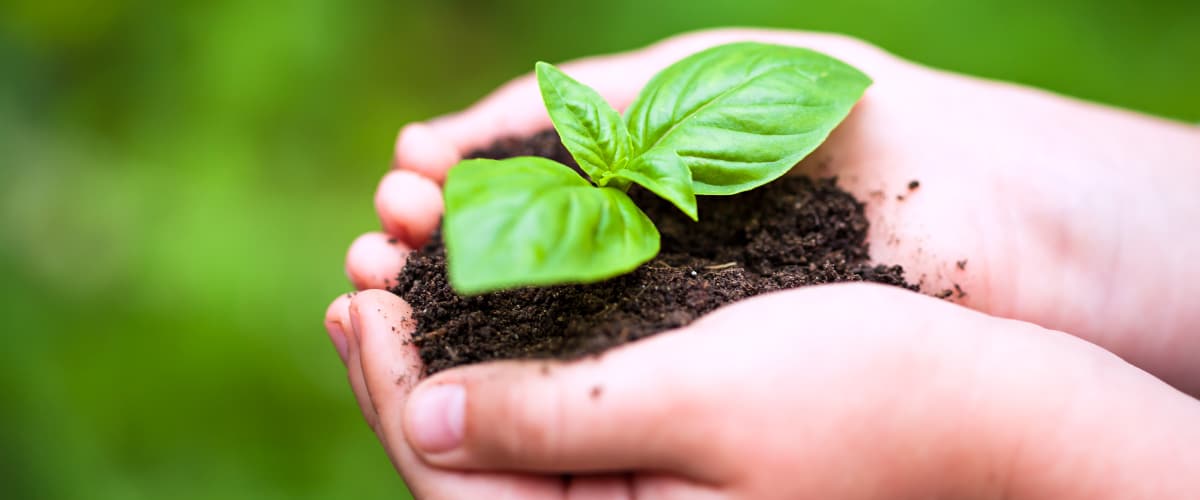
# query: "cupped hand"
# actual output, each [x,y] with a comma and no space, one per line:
[841,391]
[1038,207]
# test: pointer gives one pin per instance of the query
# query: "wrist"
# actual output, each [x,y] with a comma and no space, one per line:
[1146,312]
[1060,418]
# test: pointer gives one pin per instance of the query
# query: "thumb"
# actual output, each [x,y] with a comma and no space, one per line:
[627,409]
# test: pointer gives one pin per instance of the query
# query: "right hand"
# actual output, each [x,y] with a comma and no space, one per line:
[793,394]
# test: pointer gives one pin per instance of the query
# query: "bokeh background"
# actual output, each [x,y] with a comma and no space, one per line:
[179,181]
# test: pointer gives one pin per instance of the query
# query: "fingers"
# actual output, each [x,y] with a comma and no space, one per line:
[409,206]
[339,320]
[515,109]
[623,411]
[375,260]
[388,363]
[427,152]
[386,367]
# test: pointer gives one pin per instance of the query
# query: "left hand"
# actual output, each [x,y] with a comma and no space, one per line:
[1066,211]
[842,391]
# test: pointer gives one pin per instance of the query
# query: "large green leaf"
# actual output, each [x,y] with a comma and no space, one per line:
[532,221]
[741,115]
[591,130]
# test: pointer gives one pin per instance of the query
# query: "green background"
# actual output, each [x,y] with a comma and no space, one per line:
[179,181]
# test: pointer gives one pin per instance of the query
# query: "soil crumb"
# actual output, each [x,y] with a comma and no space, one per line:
[790,233]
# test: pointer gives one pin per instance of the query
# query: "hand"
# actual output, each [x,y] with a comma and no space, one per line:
[1062,212]
[788,395]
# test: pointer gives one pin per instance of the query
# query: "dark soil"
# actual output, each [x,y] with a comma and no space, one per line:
[791,233]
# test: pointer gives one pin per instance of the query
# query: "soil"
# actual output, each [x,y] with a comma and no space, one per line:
[790,233]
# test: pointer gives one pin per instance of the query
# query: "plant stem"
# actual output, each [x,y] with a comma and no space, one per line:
[607,178]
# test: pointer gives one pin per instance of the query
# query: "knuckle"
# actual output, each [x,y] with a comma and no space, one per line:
[527,423]
[540,424]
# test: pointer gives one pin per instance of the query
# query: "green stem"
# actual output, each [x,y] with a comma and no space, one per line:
[617,183]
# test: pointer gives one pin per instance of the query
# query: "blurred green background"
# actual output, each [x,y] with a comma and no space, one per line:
[179,181]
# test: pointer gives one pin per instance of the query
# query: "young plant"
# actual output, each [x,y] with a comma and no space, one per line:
[720,122]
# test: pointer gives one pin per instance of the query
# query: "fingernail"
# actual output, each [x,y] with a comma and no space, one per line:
[338,335]
[436,418]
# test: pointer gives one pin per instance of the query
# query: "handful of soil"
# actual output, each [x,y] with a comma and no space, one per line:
[790,233]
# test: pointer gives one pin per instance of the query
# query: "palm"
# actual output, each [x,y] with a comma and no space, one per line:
[1023,209]
[980,221]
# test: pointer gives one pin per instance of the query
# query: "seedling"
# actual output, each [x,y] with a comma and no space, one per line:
[720,122]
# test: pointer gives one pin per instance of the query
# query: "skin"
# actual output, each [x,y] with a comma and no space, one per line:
[1063,211]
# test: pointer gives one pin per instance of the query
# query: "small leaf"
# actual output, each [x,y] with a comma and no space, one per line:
[532,221]
[591,130]
[664,174]
[741,115]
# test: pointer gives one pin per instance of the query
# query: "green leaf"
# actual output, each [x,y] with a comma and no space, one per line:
[597,137]
[591,130]
[664,174]
[741,115]
[532,221]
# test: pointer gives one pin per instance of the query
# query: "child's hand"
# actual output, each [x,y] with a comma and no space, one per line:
[1060,212]
[841,391]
